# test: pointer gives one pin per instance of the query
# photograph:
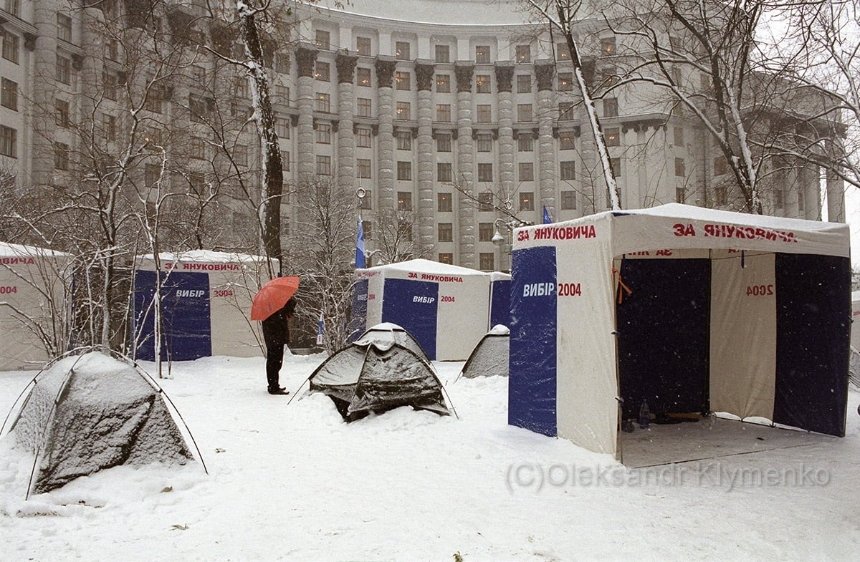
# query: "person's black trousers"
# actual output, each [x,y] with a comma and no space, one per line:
[274,362]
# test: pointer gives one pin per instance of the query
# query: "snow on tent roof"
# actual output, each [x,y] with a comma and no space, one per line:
[91,412]
[386,334]
[427,266]
[17,250]
[207,256]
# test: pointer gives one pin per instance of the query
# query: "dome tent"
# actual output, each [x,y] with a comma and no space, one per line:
[490,356]
[89,412]
[387,332]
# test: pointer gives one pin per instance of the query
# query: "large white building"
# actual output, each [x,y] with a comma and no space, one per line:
[446,110]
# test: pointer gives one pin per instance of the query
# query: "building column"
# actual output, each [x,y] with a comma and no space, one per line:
[426,215]
[345,111]
[544,71]
[385,141]
[306,58]
[507,178]
[465,165]
[835,185]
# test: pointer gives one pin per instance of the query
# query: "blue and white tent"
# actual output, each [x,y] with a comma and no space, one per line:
[446,308]
[206,301]
[691,309]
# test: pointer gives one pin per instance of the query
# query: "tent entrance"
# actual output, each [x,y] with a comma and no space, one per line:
[663,336]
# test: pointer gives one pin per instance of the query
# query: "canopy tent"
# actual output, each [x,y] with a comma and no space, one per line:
[713,311]
[90,412]
[445,307]
[32,305]
[490,356]
[206,297]
[500,299]
[376,377]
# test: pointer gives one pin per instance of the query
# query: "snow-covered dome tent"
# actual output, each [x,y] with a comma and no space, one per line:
[691,309]
[206,301]
[387,333]
[32,304]
[90,412]
[490,356]
[446,308]
[376,377]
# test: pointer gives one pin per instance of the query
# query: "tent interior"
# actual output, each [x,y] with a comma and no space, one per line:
[761,336]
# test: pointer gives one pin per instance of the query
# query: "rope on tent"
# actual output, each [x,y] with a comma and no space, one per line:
[445,392]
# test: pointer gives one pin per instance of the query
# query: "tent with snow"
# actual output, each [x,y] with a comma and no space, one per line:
[500,299]
[378,375]
[490,356]
[689,309]
[32,304]
[91,412]
[206,297]
[388,333]
[445,307]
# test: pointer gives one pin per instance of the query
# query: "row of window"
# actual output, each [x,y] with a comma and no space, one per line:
[445,204]
[442,53]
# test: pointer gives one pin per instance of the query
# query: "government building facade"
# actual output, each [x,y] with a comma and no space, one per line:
[459,117]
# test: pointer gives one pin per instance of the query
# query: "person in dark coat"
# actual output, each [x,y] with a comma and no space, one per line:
[276,334]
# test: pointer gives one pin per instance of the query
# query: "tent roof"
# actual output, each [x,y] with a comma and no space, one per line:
[499,276]
[667,227]
[18,250]
[206,256]
[426,266]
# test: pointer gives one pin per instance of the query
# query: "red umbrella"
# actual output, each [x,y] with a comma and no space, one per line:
[273,296]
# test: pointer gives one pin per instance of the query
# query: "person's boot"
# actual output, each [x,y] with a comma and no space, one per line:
[278,390]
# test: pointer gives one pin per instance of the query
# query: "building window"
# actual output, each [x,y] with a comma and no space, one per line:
[196,107]
[362,45]
[109,85]
[364,107]
[525,142]
[801,200]
[680,168]
[240,154]
[486,261]
[403,80]
[778,198]
[9,94]
[151,175]
[64,70]
[524,113]
[612,136]
[444,172]
[10,46]
[404,200]
[566,140]
[568,200]
[61,114]
[111,49]
[443,112]
[64,28]
[679,136]
[485,232]
[323,71]
[197,148]
[485,142]
[485,201]
[562,51]
[444,203]
[443,83]
[568,170]
[403,111]
[362,137]
[565,81]
[8,142]
[527,201]
[445,232]
[282,63]
[524,83]
[680,195]
[404,140]
[565,111]
[485,113]
[607,46]
[721,165]
[443,53]
[323,133]
[323,40]
[363,168]
[363,77]
[610,107]
[404,170]
[482,84]
[485,172]
[61,156]
[721,195]
[198,76]
[443,142]
[240,88]
[323,165]
[401,50]
[365,202]
[524,53]
[446,257]
[282,128]
[482,54]
[108,127]
[526,171]
[285,160]
[367,228]
[323,102]
[615,163]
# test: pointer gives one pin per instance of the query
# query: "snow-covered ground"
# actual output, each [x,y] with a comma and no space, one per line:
[295,482]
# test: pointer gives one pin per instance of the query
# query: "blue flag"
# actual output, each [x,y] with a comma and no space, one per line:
[360,262]
[546,218]
[320,330]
